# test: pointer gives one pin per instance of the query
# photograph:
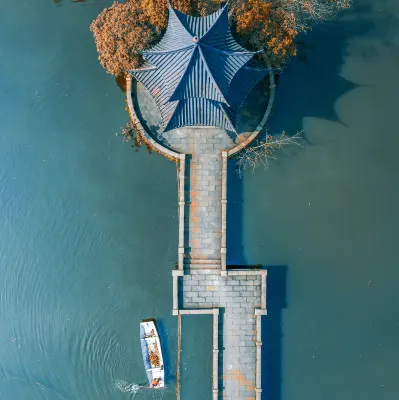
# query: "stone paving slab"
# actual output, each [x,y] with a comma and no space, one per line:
[203,212]
[237,297]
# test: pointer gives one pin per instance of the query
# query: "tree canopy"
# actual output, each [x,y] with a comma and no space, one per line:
[123,29]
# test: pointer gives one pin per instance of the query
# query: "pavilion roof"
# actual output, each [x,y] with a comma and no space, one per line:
[197,73]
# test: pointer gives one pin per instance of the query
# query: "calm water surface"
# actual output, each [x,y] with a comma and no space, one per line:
[88,228]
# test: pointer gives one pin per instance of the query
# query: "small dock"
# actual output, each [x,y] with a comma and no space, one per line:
[237,304]
[202,283]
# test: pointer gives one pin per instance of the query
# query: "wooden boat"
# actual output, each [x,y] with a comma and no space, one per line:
[152,353]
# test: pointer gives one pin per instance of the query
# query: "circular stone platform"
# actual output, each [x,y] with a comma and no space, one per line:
[183,139]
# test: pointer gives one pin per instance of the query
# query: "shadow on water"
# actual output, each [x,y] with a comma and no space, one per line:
[272,332]
[120,81]
[167,359]
[235,248]
[309,87]
[276,290]
[311,84]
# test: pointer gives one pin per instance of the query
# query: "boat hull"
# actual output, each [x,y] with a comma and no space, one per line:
[152,354]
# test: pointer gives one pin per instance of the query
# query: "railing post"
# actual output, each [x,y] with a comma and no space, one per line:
[223,249]
[215,374]
[258,379]
[182,176]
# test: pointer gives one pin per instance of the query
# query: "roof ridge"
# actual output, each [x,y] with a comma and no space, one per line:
[222,107]
[211,75]
[161,52]
[188,17]
[231,52]
[184,73]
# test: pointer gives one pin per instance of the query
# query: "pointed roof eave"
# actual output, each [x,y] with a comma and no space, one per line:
[221,12]
[167,118]
[248,78]
[146,67]
[173,12]
[227,117]
[194,29]
[211,76]
[219,35]
[175,35]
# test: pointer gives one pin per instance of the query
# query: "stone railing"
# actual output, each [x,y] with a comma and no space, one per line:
[182,204]
[223,241]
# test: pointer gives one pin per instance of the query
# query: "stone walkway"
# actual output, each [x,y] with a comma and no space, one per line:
[237,297]
[201,282]
[203,286]
[203,214]
[203,219]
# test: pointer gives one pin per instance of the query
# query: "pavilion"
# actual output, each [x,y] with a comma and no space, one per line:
[198,74]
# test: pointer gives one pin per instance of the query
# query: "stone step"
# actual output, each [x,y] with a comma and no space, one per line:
[202,261]
[202,271]
[215,267]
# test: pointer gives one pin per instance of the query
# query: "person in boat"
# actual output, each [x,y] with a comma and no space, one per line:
[151,334]
[156,382]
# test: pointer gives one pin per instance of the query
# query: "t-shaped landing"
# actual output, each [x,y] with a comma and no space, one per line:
[240,298]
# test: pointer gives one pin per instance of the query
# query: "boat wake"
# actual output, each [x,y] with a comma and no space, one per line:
[126,387]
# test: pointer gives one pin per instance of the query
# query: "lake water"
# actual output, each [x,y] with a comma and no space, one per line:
[88,227]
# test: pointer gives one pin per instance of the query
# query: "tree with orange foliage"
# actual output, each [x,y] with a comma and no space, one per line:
[274,24]
[124,29]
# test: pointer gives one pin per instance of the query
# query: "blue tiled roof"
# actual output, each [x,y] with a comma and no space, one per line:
[198,74]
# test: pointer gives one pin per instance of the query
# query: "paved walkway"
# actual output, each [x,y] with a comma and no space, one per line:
[203,286]
[204,217]
[237,297]
[203,214]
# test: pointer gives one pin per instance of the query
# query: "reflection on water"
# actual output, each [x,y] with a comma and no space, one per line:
[121,82]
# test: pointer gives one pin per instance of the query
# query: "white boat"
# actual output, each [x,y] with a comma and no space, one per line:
[152,353]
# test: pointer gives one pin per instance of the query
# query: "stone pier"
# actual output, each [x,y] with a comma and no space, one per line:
[202,282]
[238,299]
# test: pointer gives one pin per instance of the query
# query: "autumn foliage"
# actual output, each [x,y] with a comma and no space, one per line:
[274,24]
[123,29]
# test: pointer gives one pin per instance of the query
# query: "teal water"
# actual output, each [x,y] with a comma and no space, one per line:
[329,214]
[88,228]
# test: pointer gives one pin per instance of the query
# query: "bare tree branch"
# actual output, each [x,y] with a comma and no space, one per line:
[261,152]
